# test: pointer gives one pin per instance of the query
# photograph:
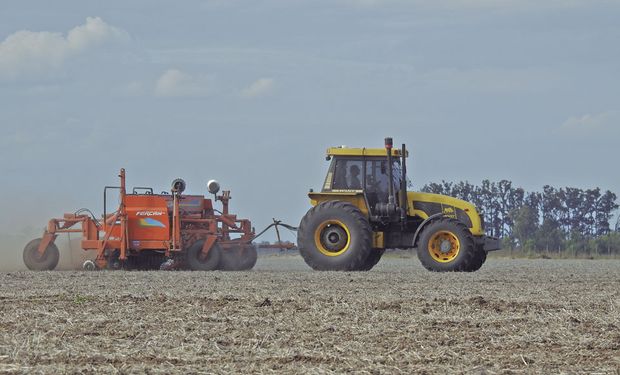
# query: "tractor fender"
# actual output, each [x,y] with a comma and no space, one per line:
[424,223]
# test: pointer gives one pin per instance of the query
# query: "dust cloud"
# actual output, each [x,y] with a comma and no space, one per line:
[71,254]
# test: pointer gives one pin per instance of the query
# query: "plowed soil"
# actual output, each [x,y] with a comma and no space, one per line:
[513,316]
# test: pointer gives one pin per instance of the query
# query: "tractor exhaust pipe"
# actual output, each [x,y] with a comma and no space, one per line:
[404,207]
[389,210]
[388,149]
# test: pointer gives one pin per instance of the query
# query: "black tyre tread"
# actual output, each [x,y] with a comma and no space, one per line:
[48,262]
[229,260]
[305,237]
[238,259]
[249,257]
[467,258]
[373,259]
[210,264]
[479,259]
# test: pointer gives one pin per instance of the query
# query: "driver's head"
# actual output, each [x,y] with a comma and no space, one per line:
[355,170]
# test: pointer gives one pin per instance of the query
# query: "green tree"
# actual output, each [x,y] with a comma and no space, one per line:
[608,244]
[525,225]
[549,236]
[605,206]
[578,243]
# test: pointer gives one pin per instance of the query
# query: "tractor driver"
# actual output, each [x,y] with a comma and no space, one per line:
[354,180]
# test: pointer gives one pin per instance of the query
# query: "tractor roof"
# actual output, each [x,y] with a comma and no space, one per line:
[345,151]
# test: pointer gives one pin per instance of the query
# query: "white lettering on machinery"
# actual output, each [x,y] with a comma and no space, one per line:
[149,213]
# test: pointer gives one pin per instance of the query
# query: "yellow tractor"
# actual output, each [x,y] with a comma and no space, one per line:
[364,208]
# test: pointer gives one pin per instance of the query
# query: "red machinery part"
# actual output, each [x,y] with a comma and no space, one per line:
[149,225]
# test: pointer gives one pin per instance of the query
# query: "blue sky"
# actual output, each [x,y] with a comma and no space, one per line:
[253,92]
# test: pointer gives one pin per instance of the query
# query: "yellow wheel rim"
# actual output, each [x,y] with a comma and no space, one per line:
[444,246]
[332,238]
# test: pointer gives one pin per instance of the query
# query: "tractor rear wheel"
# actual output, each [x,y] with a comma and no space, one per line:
[446,245]
[198,262]
[335,236]
[36,262]
[373,259]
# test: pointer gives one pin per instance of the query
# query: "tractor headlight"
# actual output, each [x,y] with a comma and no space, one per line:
[213,187]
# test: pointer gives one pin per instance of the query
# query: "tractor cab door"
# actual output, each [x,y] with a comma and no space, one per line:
[377,181]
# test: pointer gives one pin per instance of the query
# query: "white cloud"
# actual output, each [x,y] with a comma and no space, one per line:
[260,87]
[94,31]
[175,83]
[591,124]
[34,53]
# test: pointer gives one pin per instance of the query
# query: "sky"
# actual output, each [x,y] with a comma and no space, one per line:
[251,93]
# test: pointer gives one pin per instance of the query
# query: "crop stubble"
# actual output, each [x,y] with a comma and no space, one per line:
[512,316]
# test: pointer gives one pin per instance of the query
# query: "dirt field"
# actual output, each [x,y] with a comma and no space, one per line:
[513,316]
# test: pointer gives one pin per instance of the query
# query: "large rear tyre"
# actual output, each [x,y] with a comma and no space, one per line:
[198,262]
[446,245]
[239,259]
[373,259]
[335,236]
[46,262]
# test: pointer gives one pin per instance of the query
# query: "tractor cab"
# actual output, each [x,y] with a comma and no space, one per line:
[364,171]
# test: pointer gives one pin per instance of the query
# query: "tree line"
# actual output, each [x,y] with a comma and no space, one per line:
[552,220]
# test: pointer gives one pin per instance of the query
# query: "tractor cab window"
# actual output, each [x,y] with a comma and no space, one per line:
[348,175]
[377,180]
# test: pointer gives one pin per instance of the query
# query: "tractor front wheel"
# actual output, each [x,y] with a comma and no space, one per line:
[197,261]
[479,259]
[37,262]
[335,236]
[447,245]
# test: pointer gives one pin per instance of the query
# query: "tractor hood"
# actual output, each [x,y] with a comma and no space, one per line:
[425,205]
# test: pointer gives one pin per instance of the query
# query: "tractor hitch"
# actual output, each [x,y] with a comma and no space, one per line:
[489,243]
